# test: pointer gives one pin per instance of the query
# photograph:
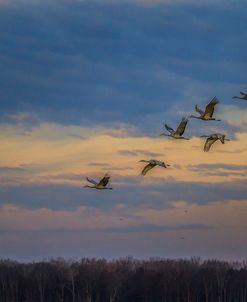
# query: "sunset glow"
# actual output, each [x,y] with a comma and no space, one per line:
[86,90]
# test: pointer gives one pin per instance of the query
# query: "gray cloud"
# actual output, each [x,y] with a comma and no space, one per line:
[157,228]
[12,169]
[137,152]
[110,167]
[219,169]
[127,153]
[99,164]
[21,169]
[74,63]
[217,166]
[130,191]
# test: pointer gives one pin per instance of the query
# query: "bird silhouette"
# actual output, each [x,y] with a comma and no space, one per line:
[207,114]
[212,138]
[242,97]
[151,164]
[101,185]
[178,134]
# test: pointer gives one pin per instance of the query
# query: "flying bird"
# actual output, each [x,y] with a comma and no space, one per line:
[211,139]
[178,134]
[101,185]
[242,97]
[207,114]
[151,164]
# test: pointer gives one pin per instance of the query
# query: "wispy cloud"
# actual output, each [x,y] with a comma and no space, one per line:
[21,118]
[99,164]
[235,116]
[157,228]
[137,152]
[220,169]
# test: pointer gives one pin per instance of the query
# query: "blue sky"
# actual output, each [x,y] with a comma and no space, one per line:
[85,88]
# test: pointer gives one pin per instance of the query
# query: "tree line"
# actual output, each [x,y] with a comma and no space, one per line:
[123,280]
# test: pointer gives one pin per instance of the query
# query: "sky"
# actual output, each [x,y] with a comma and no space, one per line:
[85,89]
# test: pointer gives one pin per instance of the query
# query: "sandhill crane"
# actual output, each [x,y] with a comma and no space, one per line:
[178,134]
[242,97]
[207,115]
[151,164]
[101,185]
[211,139]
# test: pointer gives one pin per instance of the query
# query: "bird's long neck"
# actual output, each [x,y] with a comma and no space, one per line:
[238,97]
[165,134]
[194,116]
[186,138]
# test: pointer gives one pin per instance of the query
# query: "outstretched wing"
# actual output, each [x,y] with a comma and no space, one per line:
[209,142]
[168,128]
[182,126]
[104,181]
[147,168]
[199,110]
[209,110]
[92,181]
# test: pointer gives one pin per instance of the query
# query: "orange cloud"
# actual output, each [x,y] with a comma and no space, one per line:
[51,151]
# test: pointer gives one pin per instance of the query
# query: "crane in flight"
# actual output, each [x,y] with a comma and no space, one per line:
[242,97]
[178,134]
[207,114]
[151,164]
[212,138]
[101,185]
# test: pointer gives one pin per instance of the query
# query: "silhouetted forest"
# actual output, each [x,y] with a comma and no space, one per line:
[127,279]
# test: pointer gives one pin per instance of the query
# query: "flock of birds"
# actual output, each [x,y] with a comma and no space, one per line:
[205,115]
